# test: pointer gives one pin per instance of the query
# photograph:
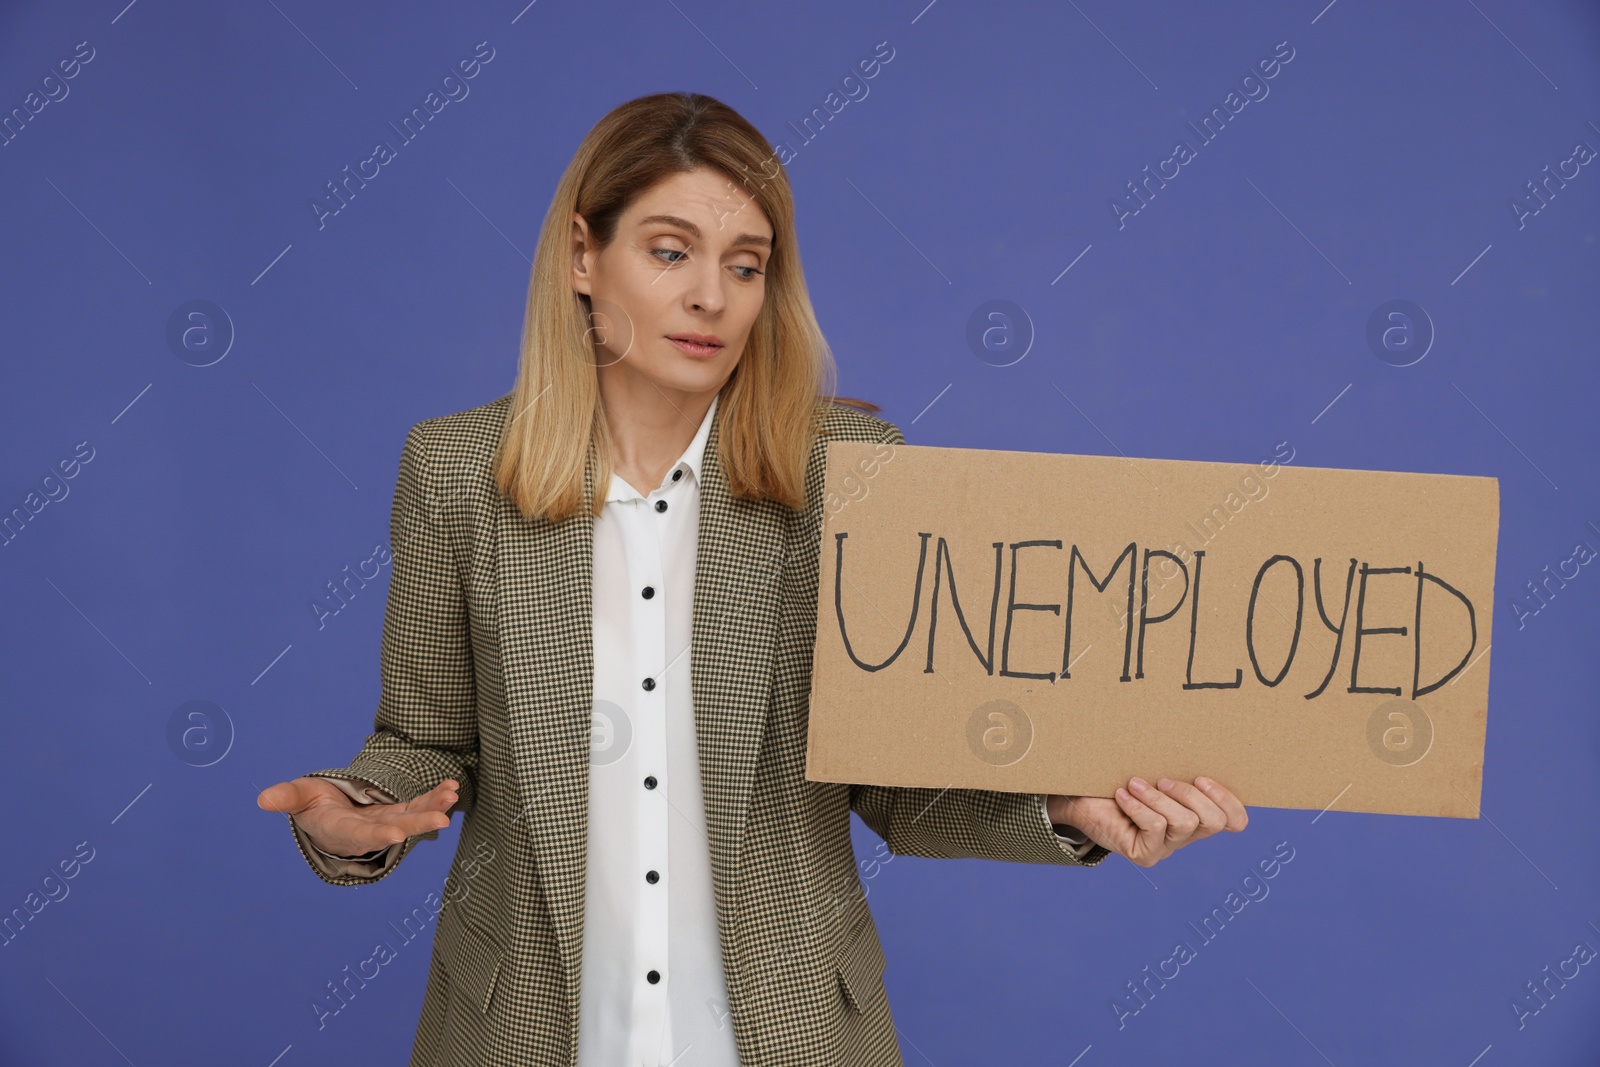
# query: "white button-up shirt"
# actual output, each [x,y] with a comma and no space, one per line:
[652,991]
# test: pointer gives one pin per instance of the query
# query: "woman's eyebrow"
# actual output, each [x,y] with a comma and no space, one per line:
[686,225]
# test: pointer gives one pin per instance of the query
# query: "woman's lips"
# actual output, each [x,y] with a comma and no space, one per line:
[694,349]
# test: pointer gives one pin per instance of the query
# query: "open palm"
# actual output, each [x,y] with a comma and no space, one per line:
[339,825]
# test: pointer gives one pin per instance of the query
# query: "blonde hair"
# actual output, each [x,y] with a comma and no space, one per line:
[768,414]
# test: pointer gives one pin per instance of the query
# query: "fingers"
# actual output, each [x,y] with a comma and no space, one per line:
[441,797]
[1209,804]
[1211,817]
[280,797]
[1169,815]
[410,824]
[1225,799]
[1151,840]
[1181,821]
[292,796]
[423,813]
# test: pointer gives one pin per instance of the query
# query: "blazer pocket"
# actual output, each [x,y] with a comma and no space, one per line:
[471,960]
[860,962]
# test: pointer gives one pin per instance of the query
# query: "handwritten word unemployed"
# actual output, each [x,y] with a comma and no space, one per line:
[1138,584]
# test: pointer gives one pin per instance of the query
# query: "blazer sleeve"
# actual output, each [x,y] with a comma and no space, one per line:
[426,726]
[966,823]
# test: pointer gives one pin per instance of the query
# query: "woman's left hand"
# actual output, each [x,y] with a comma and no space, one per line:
[1149,823]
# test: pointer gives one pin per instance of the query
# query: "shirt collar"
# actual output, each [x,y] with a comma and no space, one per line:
[693,459]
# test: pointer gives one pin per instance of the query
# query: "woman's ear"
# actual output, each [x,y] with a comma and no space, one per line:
[580,249]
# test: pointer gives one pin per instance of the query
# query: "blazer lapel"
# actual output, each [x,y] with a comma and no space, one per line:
[545,622]
[738,562]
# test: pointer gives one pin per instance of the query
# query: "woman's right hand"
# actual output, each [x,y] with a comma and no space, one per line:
[342,827]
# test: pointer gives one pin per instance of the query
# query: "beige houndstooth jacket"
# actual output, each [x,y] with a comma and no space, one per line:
[487,678]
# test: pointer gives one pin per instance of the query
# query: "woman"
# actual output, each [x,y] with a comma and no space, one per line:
[597,646]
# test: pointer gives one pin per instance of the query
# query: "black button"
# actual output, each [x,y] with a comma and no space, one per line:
[653,977]
[649,684]
[661,505]
[652,877]
[677,474]
[650,781]
[648,591]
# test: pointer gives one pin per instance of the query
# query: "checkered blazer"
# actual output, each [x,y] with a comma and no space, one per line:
[487,678]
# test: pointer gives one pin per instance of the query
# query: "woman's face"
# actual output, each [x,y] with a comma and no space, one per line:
[688,262]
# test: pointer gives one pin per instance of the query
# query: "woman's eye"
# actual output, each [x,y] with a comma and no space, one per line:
[675,252]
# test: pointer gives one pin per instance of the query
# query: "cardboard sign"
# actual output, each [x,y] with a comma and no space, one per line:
[1029,622]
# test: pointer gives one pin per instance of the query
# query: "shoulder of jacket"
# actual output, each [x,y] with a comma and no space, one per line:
[473,432]
[841,422]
